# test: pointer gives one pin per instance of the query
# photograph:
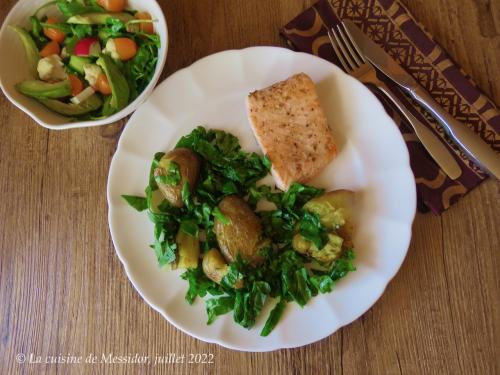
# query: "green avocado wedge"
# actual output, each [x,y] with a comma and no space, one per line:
[30,48]
[77,63]
[40,89]
[120,91]
[98,18]
[92,104]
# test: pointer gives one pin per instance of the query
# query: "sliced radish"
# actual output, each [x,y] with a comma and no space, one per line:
[84,95]
[88,47]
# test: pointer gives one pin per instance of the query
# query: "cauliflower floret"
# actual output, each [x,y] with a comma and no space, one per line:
[111,49]
[51,68]
[84,95]
[64,53]
[92,73]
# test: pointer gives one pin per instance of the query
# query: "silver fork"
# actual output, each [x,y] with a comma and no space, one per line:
[357,66]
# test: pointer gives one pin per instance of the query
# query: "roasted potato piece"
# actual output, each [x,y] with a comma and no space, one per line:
[215,267]
[189,167]
[335,211]
[330,252]
[242,235]
[188,250]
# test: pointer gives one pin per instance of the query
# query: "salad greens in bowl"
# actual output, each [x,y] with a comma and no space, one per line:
[75,63]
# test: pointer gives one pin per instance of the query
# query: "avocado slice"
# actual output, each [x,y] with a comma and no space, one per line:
[92,104]
[30,48]
[77,63]
[40,89]
[98,18]
[120,91]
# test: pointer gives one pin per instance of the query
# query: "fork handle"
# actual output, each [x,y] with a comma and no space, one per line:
[475,148]
[429,140]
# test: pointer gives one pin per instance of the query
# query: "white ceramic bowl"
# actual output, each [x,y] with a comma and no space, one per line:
[14,67]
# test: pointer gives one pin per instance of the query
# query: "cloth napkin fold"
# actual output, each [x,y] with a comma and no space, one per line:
[390,25]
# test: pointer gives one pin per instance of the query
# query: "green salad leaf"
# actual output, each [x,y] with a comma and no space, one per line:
[219,215]
[141,69]
[273,318]
[311,229]
[113,28]
[139,203]
[218,306]
[199,285]
[82,31]
[283,274]
[230,170]
[74,8]
[37,32]
[190,227]
[172,176]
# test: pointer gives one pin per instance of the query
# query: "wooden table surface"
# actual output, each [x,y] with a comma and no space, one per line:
[64,291]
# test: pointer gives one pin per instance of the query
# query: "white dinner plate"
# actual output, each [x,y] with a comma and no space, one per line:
[373,161]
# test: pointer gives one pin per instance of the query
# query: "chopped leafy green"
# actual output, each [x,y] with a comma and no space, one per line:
[154,164]
[37,32]
[279,225]
[219,215]
[139,203]
[172,176]
[273,318]
[256,193]
[297,195]
[311,229]
[140,70]
[218,306]
[186,196]
[248,304]
[343,266]
[199,285]
[113,28]
[165,251]
[189,227]
[225,161]
[233,276]
[283,273]
[74,8]
[322,283]
[81,31]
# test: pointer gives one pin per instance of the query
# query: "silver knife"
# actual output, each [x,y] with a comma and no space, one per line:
[475,148]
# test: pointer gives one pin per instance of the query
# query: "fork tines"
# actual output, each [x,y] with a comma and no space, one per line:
[346,51]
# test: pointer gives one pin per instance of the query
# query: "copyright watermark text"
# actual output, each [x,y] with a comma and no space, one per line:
[112,358]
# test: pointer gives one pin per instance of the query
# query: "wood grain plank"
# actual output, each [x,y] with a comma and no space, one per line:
[466,31]
[470,277]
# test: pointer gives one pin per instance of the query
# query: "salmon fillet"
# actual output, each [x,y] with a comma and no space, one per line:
[291,129]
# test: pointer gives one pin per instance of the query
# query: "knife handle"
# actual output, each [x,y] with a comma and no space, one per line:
[441,155]
[475,148]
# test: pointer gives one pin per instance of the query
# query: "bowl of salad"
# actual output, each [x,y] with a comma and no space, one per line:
[79,63]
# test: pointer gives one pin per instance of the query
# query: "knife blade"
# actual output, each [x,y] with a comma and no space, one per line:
[475,148]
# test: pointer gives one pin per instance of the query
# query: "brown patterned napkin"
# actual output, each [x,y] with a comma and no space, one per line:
[391,26]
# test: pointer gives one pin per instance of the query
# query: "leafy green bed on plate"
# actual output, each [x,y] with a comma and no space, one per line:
[300,252]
